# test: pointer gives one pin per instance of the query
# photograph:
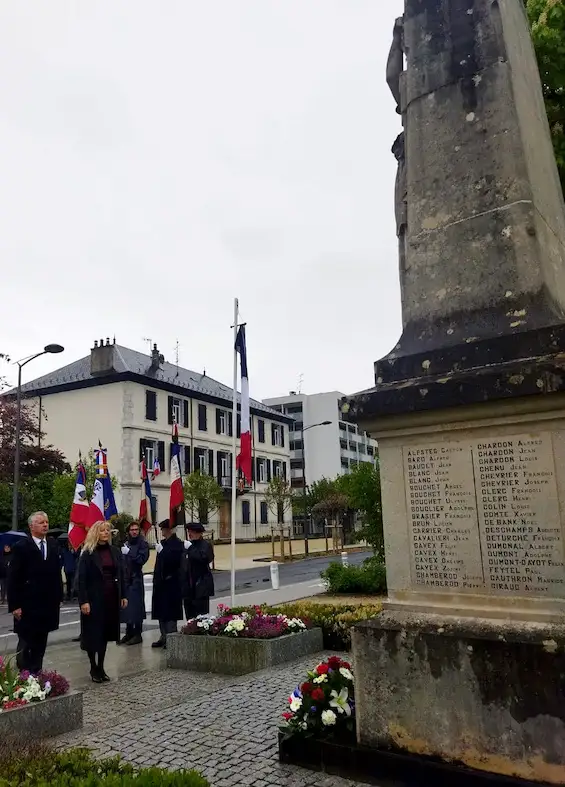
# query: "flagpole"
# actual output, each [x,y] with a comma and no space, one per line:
[234,449]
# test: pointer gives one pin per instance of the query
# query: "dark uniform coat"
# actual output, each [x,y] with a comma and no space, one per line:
[197,579]
[94,629]
[35,586]
[167,593]
[137,557]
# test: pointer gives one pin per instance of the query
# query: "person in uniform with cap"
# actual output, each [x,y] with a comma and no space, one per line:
[197,579]
[167,594]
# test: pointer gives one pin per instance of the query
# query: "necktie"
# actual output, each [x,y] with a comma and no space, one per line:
[43,549]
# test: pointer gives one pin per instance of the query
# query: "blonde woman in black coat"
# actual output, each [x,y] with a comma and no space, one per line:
[101,595]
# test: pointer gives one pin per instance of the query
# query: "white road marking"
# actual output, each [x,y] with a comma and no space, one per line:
[71,623]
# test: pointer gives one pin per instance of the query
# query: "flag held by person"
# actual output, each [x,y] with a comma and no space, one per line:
[102,503]
[145,514]
[177,493]
[243,461]
[78,519]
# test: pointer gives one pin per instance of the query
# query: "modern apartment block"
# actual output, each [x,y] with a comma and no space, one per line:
[328,451]
[129,401]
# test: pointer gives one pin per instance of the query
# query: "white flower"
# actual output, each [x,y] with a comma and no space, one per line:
[47,687]
[303,725]
[320,678]
[328,718]
[295,703]
[339,701]
[234,626]
[347,674]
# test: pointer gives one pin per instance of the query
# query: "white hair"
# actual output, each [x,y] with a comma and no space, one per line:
[35,514]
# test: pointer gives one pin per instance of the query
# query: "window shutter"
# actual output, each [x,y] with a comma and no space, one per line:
[142,444]
[239,424]
[230,424]
[186,450]
[170,455]
[202,418]
[161,454]
[210,462]
[219,456]
[284,471]
[150,405]
[257,471]
[245,512]
[170,409]
[218,425]
[253,474]
[273,434]
[261,428]
[282,435]
[196,463]
[268,470]
[185,414]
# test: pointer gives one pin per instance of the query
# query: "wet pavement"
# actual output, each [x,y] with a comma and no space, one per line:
[223,726]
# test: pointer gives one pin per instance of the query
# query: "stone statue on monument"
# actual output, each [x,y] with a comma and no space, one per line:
[394,77]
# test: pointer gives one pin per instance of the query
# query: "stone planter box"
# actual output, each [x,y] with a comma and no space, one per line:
[43,719]
[232,656]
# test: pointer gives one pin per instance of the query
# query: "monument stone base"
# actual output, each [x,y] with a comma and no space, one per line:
[487,694]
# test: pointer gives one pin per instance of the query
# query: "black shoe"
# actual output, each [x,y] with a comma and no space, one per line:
[159,644]
[105,678]
[124,640]
[135,640]
[96,676]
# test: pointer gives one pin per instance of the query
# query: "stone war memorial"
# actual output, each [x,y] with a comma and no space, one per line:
[465,666]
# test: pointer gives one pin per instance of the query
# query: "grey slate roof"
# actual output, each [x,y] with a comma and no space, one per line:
[134,362]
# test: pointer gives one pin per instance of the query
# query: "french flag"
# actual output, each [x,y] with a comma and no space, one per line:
[78,519]
[243,461]
[145,517]
[177,493]
[102,503]
[156,469]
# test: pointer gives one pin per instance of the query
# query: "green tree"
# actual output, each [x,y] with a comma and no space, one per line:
[203,496]
[278,497]
[362,487]
[547,23]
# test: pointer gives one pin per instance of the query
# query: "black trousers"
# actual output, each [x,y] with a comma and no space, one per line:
[195,607]
[70,582]
[31,650]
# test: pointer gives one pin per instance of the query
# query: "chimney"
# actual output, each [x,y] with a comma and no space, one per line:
[156,358]
[102,358]
[292,393]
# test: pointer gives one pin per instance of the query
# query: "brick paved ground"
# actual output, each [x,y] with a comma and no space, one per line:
[224,727]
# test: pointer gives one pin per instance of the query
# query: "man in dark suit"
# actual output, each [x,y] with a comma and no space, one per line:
[35,592]
[167,592]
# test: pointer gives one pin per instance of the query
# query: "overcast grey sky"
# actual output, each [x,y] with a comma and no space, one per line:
[160,158]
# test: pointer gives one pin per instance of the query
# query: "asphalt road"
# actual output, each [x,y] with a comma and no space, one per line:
[247,581]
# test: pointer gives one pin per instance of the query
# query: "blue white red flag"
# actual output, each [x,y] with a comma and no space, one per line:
[102,504]
[243,461]
[145,515]
[78,519]
[177,493]
[156,469]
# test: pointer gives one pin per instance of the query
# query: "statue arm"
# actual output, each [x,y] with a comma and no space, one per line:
[395,63]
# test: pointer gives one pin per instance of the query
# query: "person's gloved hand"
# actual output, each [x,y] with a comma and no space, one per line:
[159,548]
[187,544]
[125,549]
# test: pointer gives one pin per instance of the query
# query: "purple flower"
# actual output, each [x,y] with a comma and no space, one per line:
[59,684]
[24,674]
[313,709]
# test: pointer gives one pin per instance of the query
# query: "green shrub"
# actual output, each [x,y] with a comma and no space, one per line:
[367,579]
[335,621]
[24,765]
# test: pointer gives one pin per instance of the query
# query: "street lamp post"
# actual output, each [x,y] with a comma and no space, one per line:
[304,498]
[49,348]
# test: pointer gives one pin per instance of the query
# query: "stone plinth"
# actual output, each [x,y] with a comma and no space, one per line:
[43,719]
[232,656]
[483,693]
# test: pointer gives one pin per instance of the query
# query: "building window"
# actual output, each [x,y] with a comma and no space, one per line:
[202,418]
[296,464]
[178,411]
[245,512]
[294,409]
[150,405]
[224,469]
[351,428]
[370,450]
[277,435]
[296,445]
[343,445]
[298,426]
[261,471]
[201,460]
[264,514]
[150,453]
[361,448]
[342,426]
[345,462]
[261,430]
[277,469]
[224,422]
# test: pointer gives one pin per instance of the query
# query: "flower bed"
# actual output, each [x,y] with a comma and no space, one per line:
[36,705]
[252,623]
[236,644]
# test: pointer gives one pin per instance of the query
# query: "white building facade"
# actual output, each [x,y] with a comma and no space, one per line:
[129,401]
[323,451]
